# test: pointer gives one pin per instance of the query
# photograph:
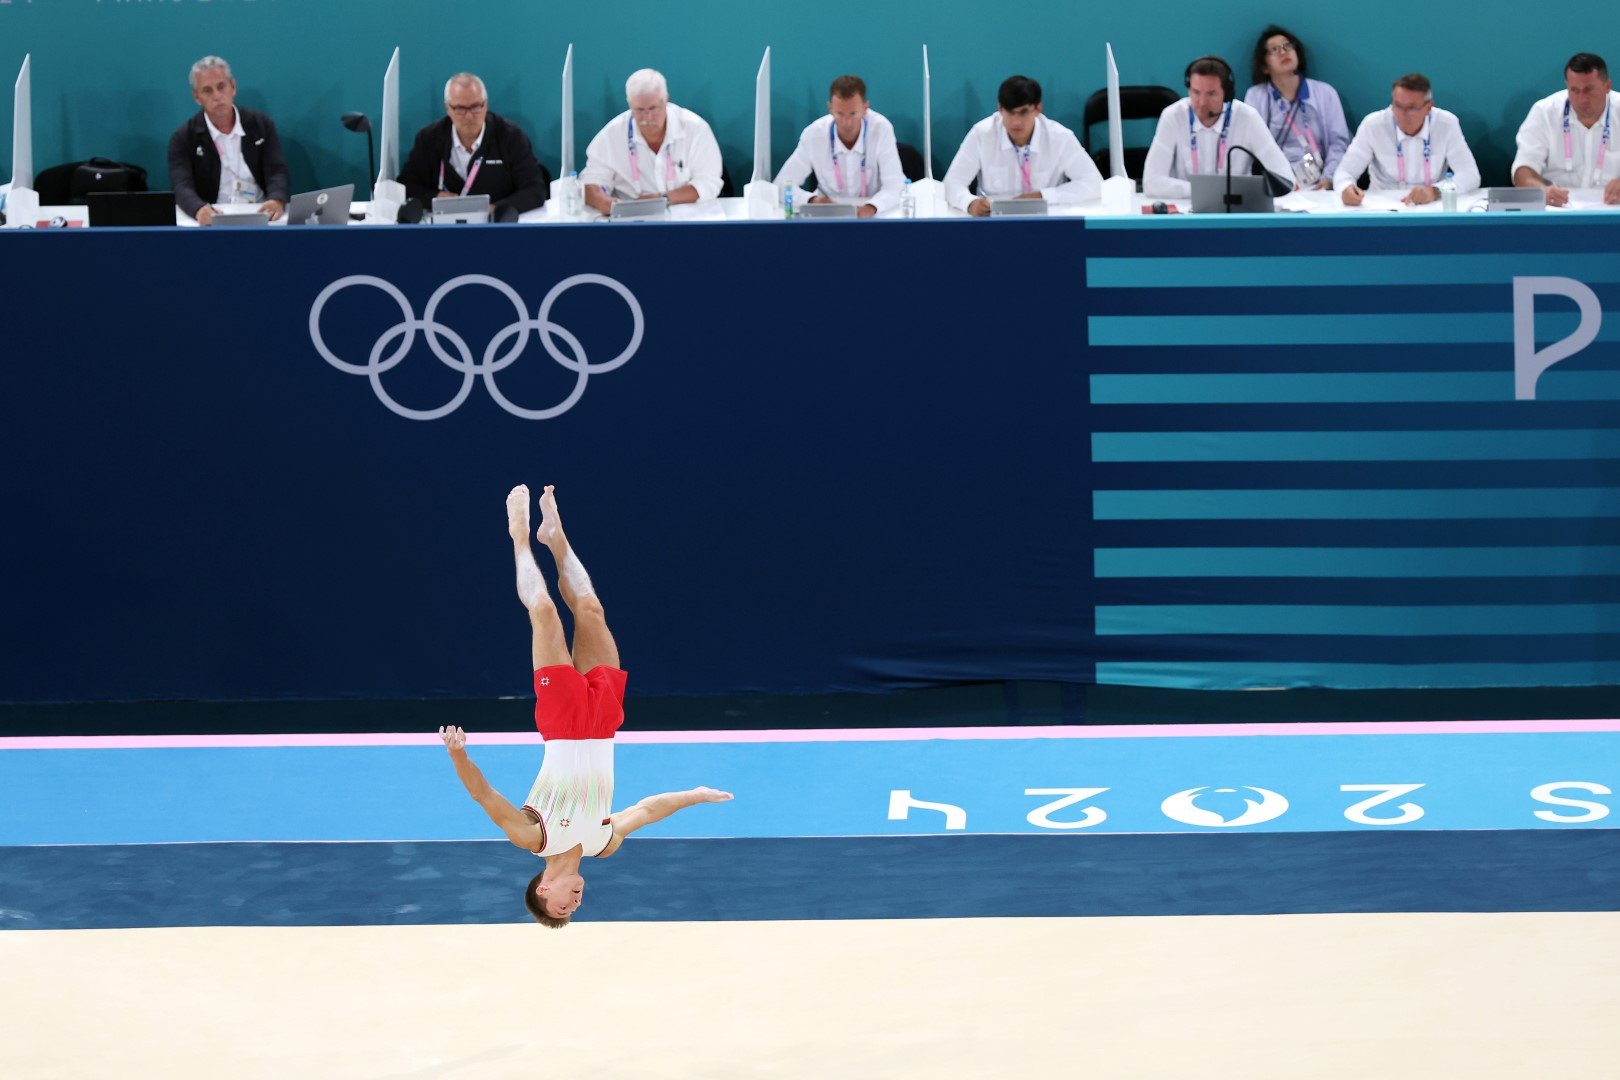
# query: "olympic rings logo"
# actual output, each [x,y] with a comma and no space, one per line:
[402,336]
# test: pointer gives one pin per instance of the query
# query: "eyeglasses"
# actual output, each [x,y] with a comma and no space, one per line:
[1279,50]
[468,110]
[1419,107]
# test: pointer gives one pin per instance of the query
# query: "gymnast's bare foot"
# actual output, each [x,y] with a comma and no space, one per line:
[517,513]
[709,794]
[550,532]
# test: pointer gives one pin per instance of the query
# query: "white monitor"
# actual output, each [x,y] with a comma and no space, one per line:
[388,152]
[568,115]
[762,120]
[22,130]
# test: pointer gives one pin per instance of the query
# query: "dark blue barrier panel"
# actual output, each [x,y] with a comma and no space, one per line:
[832,460]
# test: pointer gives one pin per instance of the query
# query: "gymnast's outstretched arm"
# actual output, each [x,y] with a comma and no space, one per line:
[517,826]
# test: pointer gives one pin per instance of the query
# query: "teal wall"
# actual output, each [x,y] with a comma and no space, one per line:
[110,75]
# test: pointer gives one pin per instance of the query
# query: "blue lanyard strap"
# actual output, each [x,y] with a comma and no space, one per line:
[1192,134]
[832,152]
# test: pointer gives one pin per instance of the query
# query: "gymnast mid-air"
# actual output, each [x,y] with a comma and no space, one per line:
[579,704]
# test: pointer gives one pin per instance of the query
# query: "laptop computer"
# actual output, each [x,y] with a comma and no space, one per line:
[1249,195]
[1515,198]
[130,207]
[1017,207]
[640,209]
[460,209]
[824,211]
[326,206]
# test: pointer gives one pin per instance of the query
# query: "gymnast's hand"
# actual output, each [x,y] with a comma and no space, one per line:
[454,738]
[709,794]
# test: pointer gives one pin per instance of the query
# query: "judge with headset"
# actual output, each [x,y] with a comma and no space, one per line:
[1198,133]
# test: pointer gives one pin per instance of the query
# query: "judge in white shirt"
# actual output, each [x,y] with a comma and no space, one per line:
[1567,140]
[851,150]
[653,149]
[1198,134]
[1017,153]
[1409,146]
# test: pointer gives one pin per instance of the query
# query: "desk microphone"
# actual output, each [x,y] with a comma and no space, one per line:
[412,212]
[1276,185]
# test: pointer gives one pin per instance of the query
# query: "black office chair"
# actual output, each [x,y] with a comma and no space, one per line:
[911,162]
[726,190]
[68,184]
[1135,103]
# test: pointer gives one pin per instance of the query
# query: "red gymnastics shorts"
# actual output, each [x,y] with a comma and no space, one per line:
[568,705]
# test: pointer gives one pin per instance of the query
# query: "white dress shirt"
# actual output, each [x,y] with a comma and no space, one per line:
[1171,158]
[689,155]
[1059,167]
[236,183]
[1541,144]
[1374,149]
[460,157]
[842,171]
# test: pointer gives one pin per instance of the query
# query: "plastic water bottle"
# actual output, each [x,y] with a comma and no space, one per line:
[1448,193]
[571,205]
[908,200]
[787,202]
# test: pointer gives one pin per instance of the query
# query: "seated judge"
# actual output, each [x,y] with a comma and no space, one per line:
[1407,147]
[472,151]
[852,152]
[225,154]
[653,149]
[1197,134]
[1018,153]
[1566,140]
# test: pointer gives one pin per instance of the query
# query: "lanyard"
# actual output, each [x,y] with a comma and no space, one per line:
[1569,146]
[472,174]
[1022,154]
[832,149]
[1400,152]
[635,166]
[1307,136]
[1192,137]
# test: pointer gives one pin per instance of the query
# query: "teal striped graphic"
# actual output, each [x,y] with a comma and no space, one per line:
[1419,504]
[1259,388]
[1511,620]
[1502,445]
[1269,562]
[1250,675]
[1409,328]
[1272,271]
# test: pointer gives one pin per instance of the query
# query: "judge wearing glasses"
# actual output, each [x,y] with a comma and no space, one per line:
[472,151]
[1408,147]
[654,149]
[1304,115]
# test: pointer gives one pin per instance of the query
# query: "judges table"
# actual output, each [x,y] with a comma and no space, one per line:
[1330,448]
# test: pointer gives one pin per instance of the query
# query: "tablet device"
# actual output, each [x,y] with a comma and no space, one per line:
[236,221]
[460,209]
[635,209]
[325,206]
[1017,207]
[824,211]
[1248,195]
[130,207]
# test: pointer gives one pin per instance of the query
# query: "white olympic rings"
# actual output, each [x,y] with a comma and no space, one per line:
[403,335]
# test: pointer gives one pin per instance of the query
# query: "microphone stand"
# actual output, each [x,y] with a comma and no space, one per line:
[1273,183]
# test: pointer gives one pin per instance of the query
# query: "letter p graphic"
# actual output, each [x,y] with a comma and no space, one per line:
[1528,364]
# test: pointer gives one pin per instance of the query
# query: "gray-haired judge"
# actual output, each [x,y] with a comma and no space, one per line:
[472,151]
[225,154]
[654,148]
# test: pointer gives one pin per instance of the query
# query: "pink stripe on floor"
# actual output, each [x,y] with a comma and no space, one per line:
[529,738]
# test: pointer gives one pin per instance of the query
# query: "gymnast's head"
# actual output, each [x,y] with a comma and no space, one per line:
[553,903]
